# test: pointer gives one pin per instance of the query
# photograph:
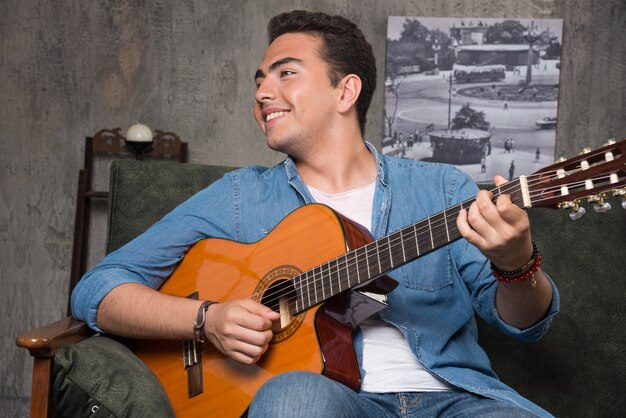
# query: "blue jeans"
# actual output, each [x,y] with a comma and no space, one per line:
[305,394]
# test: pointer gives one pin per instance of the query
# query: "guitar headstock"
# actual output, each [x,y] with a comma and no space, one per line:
[592,176]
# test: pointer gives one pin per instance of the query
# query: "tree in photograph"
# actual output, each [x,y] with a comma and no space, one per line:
[392,86]
[553,51]
[417,45]
[468,118]
[505,32]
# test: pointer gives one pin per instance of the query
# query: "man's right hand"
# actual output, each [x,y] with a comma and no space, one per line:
[240,329]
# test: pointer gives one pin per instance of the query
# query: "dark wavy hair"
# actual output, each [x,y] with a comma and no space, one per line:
[344,48]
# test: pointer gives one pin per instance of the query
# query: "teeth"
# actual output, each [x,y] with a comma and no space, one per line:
[274,115]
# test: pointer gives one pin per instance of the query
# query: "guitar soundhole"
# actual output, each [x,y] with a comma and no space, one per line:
[280,297]
[276,291]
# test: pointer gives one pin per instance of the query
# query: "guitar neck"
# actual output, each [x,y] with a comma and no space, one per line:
[592,175]
[379,257]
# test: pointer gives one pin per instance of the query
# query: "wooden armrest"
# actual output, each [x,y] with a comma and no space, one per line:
[45,341]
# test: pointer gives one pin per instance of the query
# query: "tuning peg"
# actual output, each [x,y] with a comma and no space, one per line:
[577,213]
[577,210]
[602,207]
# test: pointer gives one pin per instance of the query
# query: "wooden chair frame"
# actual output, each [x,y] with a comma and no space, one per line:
[109,142]
[43,343]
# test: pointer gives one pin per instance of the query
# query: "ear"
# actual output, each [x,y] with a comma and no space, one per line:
[350,91]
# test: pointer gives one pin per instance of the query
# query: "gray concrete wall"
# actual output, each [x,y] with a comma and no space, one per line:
[70,68]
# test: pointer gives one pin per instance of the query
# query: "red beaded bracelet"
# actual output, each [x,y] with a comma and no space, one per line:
[518,271]
[530,274]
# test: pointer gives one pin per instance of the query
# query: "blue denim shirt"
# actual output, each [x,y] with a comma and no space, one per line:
[433,305]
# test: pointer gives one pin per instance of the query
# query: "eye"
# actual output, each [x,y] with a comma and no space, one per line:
[286,73]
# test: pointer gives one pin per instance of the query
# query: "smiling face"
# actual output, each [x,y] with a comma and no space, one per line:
[295,104]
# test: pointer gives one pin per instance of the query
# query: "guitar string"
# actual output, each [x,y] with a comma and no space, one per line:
[328,270]
[346,266]
[444,219]
[540,177]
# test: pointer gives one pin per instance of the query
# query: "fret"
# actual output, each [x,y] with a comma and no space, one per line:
[358,274]
[349,271]
[364,264]
[314,286]
[430,230]
[454,231]
[326,279]
[436,221]
[324,288]
[380,267]
[338,278]
[445,222]
[423,239]
[417,245]
[307,286]
[301,289]
[402,244]
[303,282]
[396,238]
[386,262]
[390,253]
[334,277]
[409,252]
[338,275]
[367,263]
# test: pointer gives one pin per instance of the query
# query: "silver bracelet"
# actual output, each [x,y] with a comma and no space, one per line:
[198,325]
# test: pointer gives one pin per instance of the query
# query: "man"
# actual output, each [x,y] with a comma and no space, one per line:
[419,355]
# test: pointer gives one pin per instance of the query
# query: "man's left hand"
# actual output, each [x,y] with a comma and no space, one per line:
[500,230]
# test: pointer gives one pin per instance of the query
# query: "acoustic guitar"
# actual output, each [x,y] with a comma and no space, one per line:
[324,274]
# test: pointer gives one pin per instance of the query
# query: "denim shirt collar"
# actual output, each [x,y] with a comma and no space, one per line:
[380,163]
[382,195]
[294,179]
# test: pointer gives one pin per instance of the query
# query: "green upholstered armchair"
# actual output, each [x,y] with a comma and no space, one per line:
[578,369]
[140,194]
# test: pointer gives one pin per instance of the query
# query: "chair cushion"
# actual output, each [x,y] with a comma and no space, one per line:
[100,377]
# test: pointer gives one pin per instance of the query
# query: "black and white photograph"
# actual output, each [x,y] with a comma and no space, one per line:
[481,94]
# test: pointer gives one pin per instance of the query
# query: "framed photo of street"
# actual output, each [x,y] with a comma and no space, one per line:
[481,94]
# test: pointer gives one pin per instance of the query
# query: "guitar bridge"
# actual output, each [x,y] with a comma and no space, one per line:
[192,359]
[192,355]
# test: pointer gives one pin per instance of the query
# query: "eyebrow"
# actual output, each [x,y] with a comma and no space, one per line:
[260,74]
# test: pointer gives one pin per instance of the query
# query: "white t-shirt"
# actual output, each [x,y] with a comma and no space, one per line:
[388,362]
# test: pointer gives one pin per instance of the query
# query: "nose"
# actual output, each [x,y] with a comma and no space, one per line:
[265,91]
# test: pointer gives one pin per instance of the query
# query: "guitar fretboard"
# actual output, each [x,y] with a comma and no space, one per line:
[378,257]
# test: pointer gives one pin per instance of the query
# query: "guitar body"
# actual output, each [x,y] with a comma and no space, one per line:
[318,339]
